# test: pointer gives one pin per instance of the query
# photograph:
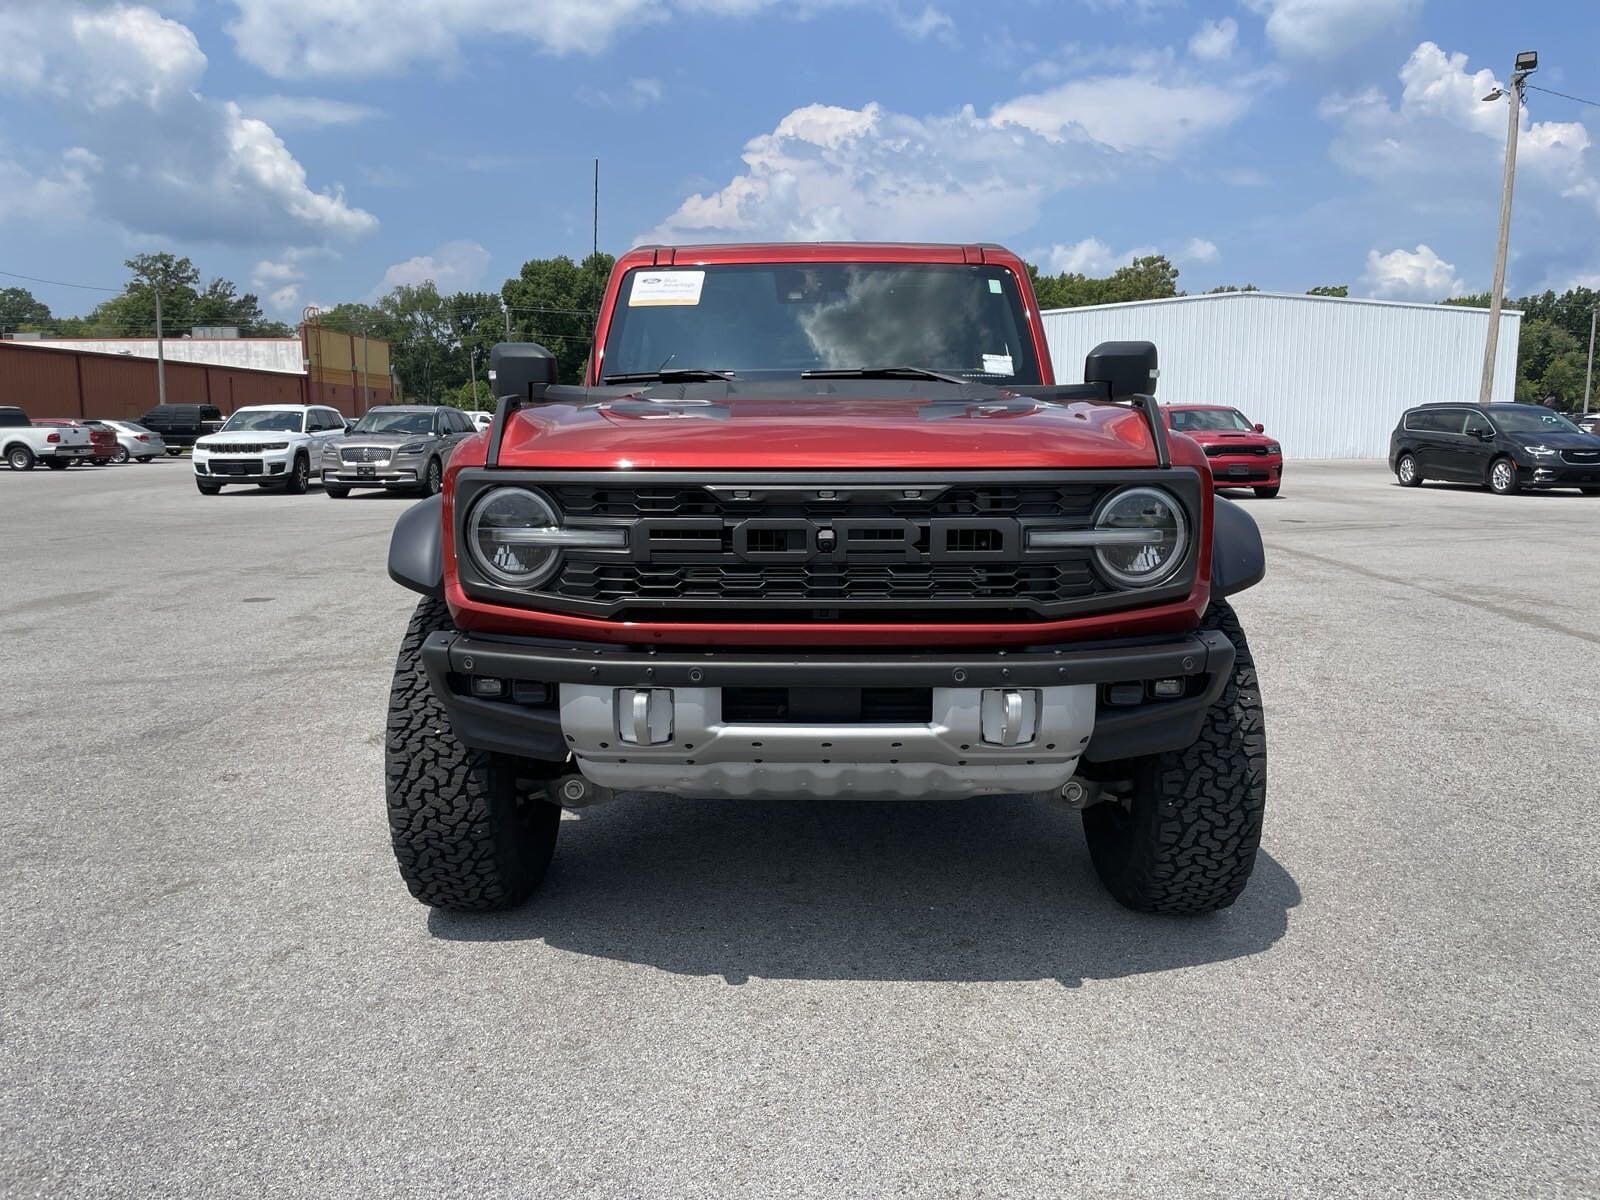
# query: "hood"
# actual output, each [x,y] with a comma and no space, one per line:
[1558,439]
[380,439]
[758,427]
[1222,437]
[235,437]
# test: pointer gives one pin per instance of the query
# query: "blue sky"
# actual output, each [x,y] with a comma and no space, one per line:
[317,152]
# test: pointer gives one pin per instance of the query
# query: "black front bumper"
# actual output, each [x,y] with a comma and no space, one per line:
[1203,660]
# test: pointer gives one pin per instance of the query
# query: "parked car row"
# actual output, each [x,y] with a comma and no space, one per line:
[59,442]
[399,447]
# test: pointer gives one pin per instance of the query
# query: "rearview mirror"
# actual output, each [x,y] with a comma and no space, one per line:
[1129,368]
[1260,428]
[520,369]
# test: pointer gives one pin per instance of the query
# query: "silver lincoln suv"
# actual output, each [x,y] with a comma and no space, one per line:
[397,446]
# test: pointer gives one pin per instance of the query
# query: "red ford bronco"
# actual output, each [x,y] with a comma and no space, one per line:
[820,522]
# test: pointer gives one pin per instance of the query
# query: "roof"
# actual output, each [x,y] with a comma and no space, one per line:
[1255,296]
[762,252]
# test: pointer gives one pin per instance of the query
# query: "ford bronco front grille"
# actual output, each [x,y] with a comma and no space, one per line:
[847,546]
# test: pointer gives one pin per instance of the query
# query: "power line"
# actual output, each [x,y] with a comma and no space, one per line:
[1552,92]
[88,287]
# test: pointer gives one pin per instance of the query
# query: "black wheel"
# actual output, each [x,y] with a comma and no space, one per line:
[207,489]
[19,458]
[57,464]
[1268,493]
[1185,840]
[467,836]
[1594,491]
[299,478]
[102,462]
[122,455]
[1503,477]
[1408,470]
[335,492]
[433,478]
[174,451]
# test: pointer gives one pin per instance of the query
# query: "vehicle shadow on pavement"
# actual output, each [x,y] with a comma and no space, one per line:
[983,890]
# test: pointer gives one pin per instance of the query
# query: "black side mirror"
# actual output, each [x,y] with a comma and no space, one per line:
[520,369]
[1128,368]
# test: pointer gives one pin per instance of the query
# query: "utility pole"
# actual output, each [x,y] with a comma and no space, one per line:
[472,364]
[1526,64]
[161,355]
[596,247]
[507,307]
[1588,375]
[366,402]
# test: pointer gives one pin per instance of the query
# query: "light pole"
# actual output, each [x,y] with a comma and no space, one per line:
[161,355]
[1526,64]
[1588,374]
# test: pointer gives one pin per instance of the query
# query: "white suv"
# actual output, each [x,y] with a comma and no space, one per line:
[269,445]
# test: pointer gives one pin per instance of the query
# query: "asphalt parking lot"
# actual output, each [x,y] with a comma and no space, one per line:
[217,985]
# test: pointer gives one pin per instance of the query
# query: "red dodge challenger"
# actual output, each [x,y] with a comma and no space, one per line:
[1239,453]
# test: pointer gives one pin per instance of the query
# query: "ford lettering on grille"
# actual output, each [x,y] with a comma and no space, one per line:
[845,540]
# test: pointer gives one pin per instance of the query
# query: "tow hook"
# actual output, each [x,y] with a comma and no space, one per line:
[1075,794]
[574,791]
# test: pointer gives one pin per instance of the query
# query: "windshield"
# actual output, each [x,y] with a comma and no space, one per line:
[1209,418]
[265,420]
[404,421]
[776,319]
[1531,420]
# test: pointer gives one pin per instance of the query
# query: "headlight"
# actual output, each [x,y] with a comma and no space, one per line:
[1274,448]
[412,448]
[1540,451]
[1144,536]
[499,536]
[515,537]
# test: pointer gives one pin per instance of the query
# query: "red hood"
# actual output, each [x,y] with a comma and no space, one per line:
[1236,437]
[775,432]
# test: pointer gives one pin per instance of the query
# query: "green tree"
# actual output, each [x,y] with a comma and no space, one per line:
[20,310]
[1231,287]
[554,301]
[1150,277]
[1329,289]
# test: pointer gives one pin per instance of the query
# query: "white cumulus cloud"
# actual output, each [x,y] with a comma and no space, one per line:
[828,171]
[452,267]
[165,159]
[1215,40]
[1329,29]
[1418,274]
[306,112]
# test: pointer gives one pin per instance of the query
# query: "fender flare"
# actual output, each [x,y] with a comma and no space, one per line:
[416,554]
[1238,558]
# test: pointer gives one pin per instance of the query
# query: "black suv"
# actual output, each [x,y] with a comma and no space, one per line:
[1503,447]
[180,424]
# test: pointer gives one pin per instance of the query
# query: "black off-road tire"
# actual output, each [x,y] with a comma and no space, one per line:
[466,836]
[1187,842]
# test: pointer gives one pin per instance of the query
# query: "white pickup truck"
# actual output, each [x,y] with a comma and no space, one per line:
[22,443]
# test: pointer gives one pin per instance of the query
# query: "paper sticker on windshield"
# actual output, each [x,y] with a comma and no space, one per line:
[997,364]
[666,287]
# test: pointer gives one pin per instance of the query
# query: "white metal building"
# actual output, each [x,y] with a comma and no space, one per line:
[1327,376]
[258,354]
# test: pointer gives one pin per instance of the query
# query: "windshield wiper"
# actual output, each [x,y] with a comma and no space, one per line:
[887,373]
[669,375]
